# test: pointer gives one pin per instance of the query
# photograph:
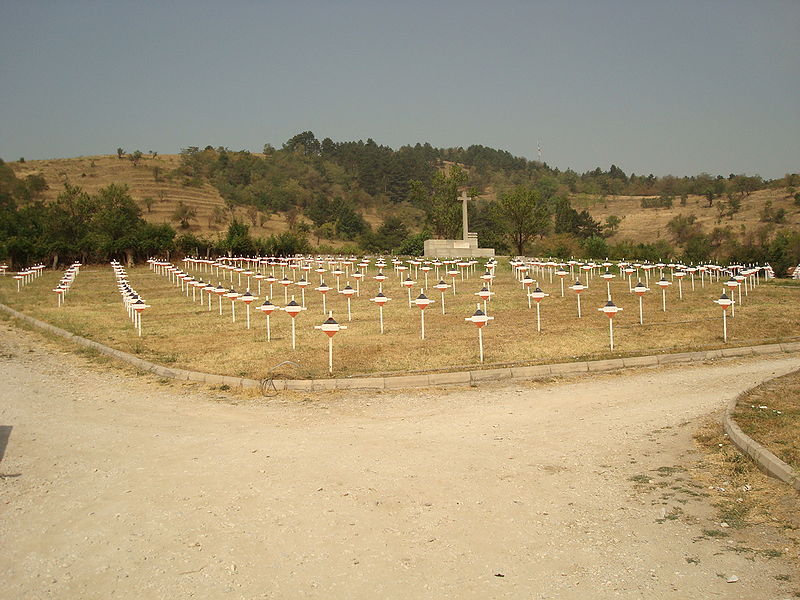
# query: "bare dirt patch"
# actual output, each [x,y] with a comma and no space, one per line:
[120,486]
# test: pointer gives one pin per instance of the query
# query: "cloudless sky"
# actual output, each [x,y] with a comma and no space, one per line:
[657,87]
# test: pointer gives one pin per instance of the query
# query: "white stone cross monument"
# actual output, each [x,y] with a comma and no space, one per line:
[464,218]
[467,246]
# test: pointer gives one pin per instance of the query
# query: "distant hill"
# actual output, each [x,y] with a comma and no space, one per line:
[649,224]
[149,180]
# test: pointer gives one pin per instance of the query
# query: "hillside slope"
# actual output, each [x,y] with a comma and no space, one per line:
[148,180]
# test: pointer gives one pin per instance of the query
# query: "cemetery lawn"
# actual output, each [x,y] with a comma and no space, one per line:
[184,334]
[770,414]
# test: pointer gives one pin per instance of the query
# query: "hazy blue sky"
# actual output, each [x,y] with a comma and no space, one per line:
[652,86]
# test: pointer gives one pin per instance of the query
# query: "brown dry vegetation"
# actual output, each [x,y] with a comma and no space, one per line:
[744,497]
[186,334]
[648,225]
[638,225]
[95,172]
[770,414]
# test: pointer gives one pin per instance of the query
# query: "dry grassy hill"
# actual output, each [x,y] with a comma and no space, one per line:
[650,224]
[148,180]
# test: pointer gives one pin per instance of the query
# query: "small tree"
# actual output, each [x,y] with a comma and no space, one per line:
[136,157]
[523,216]
[120,153]
[612,225]
[252,214]
[183,215]
[148,202]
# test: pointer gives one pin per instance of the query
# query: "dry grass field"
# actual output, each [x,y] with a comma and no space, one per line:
[185,334]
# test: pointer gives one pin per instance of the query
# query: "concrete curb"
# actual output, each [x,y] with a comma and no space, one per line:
[411,381]
[766,460]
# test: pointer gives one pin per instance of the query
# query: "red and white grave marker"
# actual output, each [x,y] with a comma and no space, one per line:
[663,284]
[610,310]
[139,306]
[640,290]
[380,300]
[220,292]
[408,283]
[330,328]
[527,281]
[680,275]
[479,318]
[732,284]
[423,302]
[608,276]
[267,308]
[442,287]
[484,294]
[561,272]
[537,295]
[426,268]
[380,278]
[293,309]
[578,288]
[358,276]
[323,289]
[232,295]
[453,273]
[285,282]
[248,299]
[725,303]
[302,284]
[348,292]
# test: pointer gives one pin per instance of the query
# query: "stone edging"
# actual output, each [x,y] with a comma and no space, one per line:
[766,460]
[411,381]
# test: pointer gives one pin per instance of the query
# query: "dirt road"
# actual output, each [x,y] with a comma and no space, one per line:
[116,486]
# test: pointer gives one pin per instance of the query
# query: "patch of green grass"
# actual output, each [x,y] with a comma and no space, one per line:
[735,513]
[640,479]
[715,533]
[664,471]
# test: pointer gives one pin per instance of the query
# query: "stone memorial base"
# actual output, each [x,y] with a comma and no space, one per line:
[457,248]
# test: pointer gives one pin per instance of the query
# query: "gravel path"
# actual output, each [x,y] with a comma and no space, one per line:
[116,486]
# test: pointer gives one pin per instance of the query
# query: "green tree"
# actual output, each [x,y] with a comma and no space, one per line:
[184,214]
[444,209]
[612,224]
[325,230]
[237,240]
[391,234]
[68,225]
[683,228]
[697,249]
[523,216]
[595,247]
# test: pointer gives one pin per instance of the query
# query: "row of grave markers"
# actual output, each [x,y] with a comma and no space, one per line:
[480,318]
[133,302]
[65,283]
[740,277]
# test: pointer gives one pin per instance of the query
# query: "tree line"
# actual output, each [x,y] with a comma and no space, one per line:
[324,188]
[107,225]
